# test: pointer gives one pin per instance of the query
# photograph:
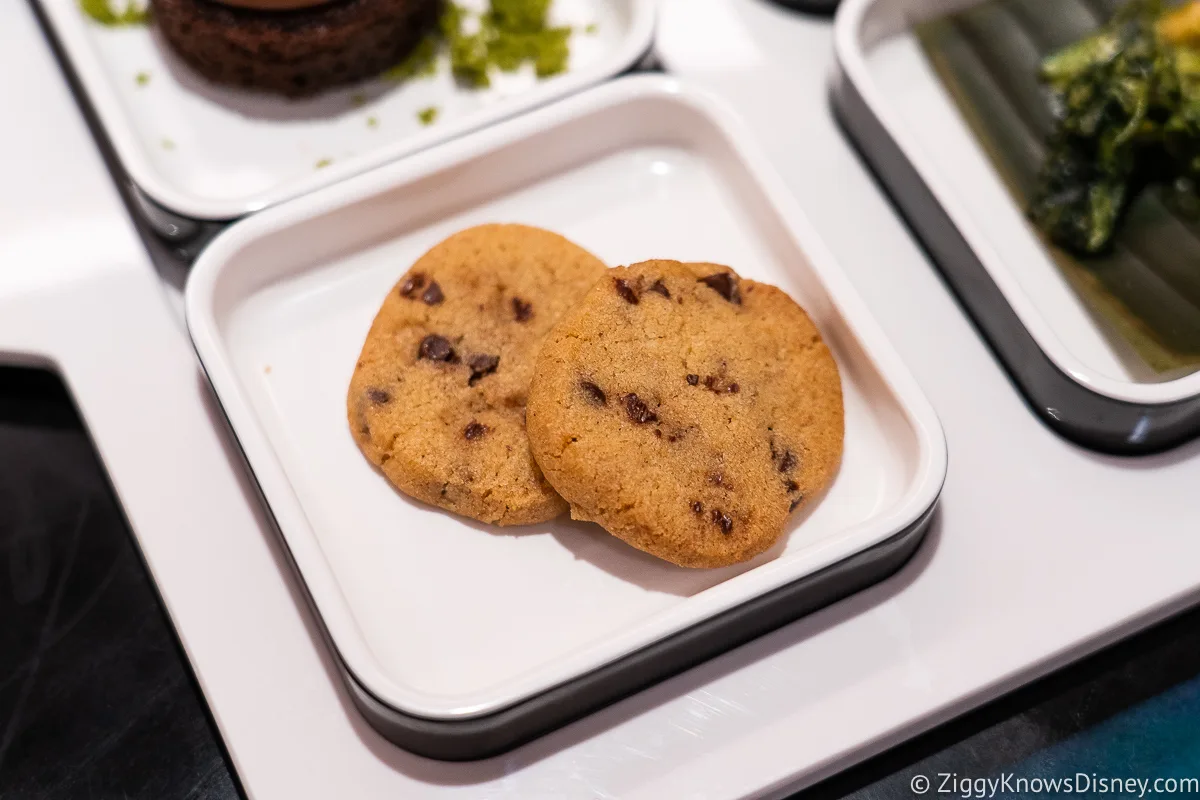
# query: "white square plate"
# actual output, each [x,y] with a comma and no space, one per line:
[447,619]
[211,152]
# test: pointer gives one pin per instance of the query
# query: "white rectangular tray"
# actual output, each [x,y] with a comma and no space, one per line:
[214,153]
[446,621]
[892,101]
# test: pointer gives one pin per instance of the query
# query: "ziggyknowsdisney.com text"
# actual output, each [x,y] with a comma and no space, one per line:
[1008,783]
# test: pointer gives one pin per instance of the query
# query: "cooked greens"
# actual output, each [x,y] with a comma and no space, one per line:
[1127,103]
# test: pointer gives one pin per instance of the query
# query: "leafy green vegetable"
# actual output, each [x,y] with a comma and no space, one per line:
[1127,101]
[101,11]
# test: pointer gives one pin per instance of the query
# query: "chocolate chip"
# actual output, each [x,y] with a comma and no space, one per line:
[717,478]
[657,433]
[433,295]
[626,291]
[795,503]
[693,380]
[481,365]
[721,520]
[724,284]
[638,411]
[733,388]
[521,309]
[437,348]
[378,396]
[710,383]
[411,284]
[660,288]
[697,507]
[787,462]
[473,431]
[594,393]
[791,486]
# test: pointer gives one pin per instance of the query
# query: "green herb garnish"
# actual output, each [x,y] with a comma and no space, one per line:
[142,78]
[422,61]
[101,12]
[427,116]
[323,163]
[509,34]
[372,122]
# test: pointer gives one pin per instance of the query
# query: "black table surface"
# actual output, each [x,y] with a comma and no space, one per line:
[97,699]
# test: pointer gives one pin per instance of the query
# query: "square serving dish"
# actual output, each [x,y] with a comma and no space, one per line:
[1073,369]
[207,152]
[459,640]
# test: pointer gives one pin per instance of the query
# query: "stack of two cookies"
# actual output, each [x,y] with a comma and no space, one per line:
[511,376]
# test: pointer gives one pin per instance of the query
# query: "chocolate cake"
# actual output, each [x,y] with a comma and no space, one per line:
[293,47]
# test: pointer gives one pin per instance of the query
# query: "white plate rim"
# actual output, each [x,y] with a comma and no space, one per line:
[924,489]
[70,25]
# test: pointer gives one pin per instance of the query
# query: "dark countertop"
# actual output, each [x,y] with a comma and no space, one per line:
[96,699]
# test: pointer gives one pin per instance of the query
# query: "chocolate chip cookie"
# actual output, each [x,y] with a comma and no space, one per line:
[688,411]
[437,400]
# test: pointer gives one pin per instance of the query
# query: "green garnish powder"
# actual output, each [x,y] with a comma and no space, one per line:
[507,35]
[421,62]
[101,12]
[142,78]
[372,122]
[323,163]
[428,116]
[511,33]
